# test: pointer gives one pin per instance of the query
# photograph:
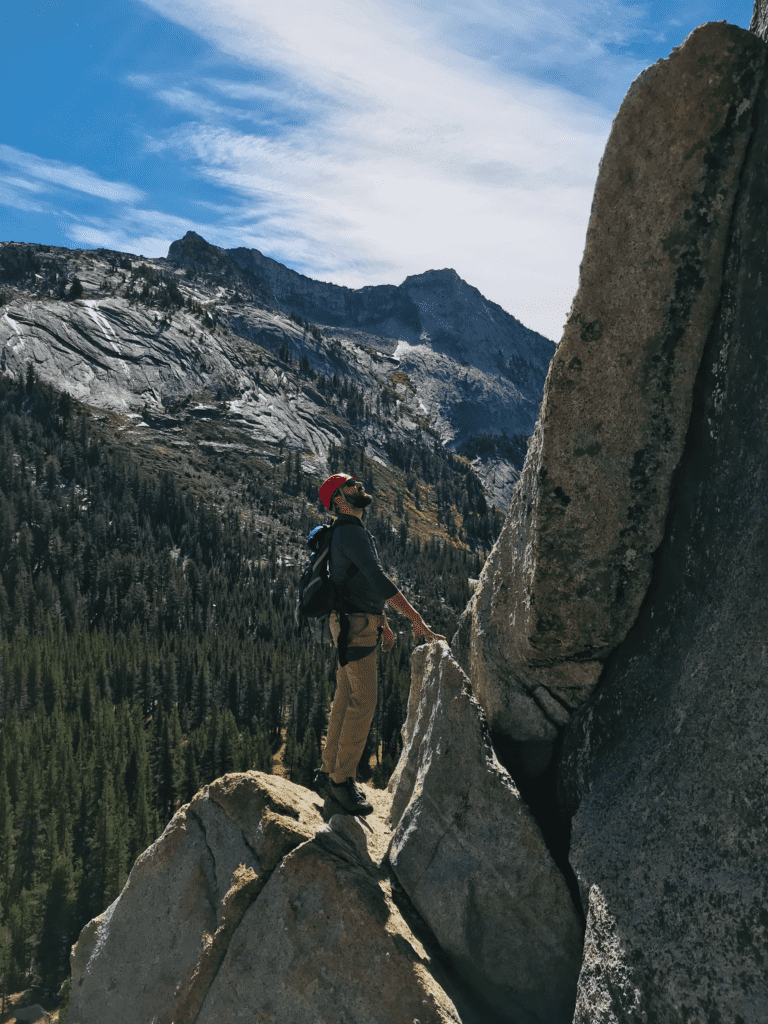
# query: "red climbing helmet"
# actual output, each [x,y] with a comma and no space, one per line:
[331,485]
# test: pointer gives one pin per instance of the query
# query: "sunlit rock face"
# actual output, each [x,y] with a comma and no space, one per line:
[152,954]
[759,23]
[323,943]
[250,907]
[471,857]
[567,576]
[666,770]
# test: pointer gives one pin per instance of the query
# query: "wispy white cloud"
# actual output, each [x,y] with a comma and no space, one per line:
[368,43]
[365,140]
[192,102]
[44,186]
[418,151]
[22,183]
[146,232]
[247,92]
[16,193]
[67,176]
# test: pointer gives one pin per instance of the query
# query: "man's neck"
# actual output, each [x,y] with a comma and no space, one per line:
[347,510]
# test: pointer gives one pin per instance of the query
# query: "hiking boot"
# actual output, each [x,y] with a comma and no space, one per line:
[350,796]
[320,781]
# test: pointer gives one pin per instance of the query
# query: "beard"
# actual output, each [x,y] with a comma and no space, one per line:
[360,500]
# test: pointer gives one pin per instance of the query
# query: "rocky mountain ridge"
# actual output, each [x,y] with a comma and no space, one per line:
[436,308]
[237,333]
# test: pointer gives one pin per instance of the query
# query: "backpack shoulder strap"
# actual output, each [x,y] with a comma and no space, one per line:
[352,569]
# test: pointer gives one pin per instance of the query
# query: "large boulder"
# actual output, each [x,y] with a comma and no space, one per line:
[667,768]
[567,576]
[325,943]
[152,954]
[30,1013]
[249,907]
[472,859]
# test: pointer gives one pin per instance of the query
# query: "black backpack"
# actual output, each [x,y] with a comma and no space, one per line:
[318,594]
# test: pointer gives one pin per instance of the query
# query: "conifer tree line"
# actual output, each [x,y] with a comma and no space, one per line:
[148,646]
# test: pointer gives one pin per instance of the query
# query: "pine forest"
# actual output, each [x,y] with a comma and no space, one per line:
[148,645]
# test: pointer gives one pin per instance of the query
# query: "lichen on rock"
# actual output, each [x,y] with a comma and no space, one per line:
[665,771]
[567,576]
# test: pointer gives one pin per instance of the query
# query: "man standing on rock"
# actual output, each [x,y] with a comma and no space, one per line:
[357,628]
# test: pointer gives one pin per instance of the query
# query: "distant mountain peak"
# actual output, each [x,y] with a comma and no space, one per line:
[436,276]
[190,241]
[394,311]
[430,356]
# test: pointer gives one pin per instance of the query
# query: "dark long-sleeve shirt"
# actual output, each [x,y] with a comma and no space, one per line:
[369,589]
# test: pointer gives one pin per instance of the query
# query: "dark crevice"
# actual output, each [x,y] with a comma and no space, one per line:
[540,795]
[545,713]
[586,653]
[560,700]
[243,836]
[194,815]
[471,1006]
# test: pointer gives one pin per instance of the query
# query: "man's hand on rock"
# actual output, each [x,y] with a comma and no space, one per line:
[420,628]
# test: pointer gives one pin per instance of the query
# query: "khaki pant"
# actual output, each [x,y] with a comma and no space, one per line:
[355,701]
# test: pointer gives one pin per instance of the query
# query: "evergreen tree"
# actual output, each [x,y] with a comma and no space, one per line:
[57,933]
[291,752]
[230,744]
[190,782]
[108,848]
[168,768]
[144,648]
[309,758]
[6,838]
[21,943]
[27,866]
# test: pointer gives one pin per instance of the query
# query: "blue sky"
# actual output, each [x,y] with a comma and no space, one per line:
[357,141]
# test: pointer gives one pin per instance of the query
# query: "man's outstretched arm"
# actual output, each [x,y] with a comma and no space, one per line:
[400,603]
